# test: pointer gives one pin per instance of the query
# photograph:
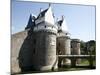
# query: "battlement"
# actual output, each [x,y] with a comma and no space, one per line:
[75,40]
[46,27]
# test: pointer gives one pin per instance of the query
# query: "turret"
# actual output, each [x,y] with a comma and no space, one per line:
[63,40]
[45,21]
[45,41]
[62,25]
[75,44]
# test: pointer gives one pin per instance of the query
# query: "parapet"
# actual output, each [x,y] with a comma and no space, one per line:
[63,34]
[75,40]
[46,28]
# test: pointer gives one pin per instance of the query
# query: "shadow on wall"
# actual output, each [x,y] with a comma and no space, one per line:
[26,53]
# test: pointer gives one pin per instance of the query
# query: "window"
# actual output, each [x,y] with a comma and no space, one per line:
[45,26]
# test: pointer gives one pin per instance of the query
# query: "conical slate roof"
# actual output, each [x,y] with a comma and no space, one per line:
[62,25]
[42,13]
[30,22]
[60,22]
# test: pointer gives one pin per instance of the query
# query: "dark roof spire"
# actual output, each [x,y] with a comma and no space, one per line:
[31,22]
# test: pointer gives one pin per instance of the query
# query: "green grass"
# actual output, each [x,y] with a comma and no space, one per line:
[85,62]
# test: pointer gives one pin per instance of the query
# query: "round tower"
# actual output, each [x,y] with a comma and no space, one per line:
[63,41]
[75,43]
[75,46]
[45,33]
[63,46]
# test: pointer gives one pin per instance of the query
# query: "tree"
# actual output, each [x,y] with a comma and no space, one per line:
[88,47]
[91,45]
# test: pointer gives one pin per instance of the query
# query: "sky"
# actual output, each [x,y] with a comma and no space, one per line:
[80,18]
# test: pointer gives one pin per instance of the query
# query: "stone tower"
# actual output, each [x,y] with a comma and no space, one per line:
[75,46]
[63,40]
[45,31]
[75,43]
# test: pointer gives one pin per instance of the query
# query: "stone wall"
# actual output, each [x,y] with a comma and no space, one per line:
[63,47]
[75,46]
[45,51]
[21,51]
[75,43]
[33,51]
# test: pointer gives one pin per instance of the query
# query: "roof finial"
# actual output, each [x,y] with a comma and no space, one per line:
[49,4]
[40,10]
[62,17]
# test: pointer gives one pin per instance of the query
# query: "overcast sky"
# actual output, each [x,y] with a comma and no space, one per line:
[80,19]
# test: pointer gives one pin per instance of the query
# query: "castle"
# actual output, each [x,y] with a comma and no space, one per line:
[37,47]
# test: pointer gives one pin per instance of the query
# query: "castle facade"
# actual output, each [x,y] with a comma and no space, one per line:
[37,47]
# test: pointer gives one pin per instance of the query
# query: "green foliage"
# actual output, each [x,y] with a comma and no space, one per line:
[88,47]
